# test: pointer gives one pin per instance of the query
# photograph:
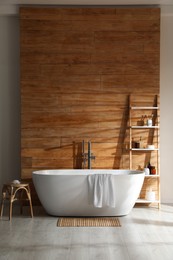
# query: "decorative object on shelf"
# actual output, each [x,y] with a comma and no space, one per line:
[141,121]
[147,171]
[133,143]
[150,195]
[149,167]
[153,170]
[151,146]
[137,144]
[145,120]
[150,120]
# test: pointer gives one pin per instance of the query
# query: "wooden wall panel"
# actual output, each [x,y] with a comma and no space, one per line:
[78,68]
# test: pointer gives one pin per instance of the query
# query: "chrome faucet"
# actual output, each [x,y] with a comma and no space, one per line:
[90,155]
[84,155]
[87,156]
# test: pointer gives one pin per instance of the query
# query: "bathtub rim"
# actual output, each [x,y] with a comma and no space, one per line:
[83,172]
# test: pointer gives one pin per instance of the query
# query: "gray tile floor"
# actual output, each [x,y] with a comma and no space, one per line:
[146,233]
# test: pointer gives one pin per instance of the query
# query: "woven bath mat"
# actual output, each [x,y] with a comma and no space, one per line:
[88,222]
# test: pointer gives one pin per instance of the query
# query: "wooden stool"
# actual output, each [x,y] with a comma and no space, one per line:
[13,192]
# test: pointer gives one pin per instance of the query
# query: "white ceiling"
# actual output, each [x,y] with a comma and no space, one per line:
[11,6]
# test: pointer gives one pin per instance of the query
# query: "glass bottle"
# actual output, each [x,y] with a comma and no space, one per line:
[149,166]
[153,170]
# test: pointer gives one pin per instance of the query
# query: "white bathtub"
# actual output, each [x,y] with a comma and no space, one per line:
[65,192]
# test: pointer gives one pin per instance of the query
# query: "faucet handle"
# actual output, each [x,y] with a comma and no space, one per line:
[93,156]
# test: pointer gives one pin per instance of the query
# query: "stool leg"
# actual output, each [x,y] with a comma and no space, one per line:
[11,202]
[30,202]
[2,207]
[21,202]
[3,199]
[10,209]
[31,208]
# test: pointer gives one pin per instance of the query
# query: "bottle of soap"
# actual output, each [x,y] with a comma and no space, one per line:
[149,167]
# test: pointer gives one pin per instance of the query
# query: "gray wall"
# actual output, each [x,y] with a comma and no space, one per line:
[9,99]
[10,102]
[166,93]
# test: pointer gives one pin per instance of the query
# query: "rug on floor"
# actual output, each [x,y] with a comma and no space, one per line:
[88,222]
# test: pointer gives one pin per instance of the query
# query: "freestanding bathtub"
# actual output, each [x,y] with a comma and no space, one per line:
[65,192]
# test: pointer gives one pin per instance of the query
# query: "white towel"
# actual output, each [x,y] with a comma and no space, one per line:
[101,190]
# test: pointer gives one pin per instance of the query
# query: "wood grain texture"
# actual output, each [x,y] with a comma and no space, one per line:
[78,68]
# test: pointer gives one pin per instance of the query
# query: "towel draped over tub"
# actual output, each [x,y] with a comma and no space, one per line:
[101,190]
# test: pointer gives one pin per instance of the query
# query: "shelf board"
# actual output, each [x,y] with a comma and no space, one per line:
[147,201]
[143,127]
[144,108]
[144,149]
[152,176]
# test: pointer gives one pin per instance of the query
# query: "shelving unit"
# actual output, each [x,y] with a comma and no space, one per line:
[140,156]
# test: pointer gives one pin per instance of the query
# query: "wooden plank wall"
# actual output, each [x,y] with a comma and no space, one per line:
[78,67]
